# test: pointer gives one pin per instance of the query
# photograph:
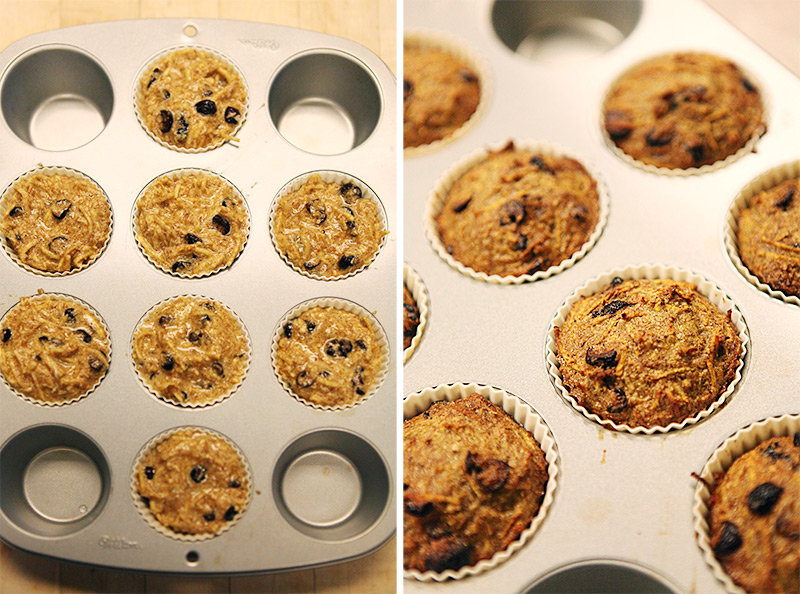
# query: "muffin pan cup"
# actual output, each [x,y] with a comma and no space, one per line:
[621,496]
[110,427]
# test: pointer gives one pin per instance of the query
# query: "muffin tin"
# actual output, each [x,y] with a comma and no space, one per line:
[322,481]
[622,513]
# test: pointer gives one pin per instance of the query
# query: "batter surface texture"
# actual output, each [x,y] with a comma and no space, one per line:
[192,99]
[192,223]
[683,110]
[327,229]
[191,351]
[440,93]
[647,352]
[769,237]
[329,356]
[473,479]
[55,222]
[194,482]
[518,212]
[54,349]
[754,517]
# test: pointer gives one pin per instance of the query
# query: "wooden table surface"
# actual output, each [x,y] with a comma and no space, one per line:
[372,23]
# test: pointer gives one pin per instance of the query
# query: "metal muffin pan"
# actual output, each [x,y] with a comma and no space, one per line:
[624,501]
[317,102]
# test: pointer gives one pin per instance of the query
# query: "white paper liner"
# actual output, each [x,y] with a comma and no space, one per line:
[98,318]
[440,41]
[175,174]
[421,297]
[349,306]
[646,271]
[337,177]
[150,518]
[737,444]
[66,171]
[746,148]
[529,419]
[151,63]
[193,405]
[765,181]
[439,193]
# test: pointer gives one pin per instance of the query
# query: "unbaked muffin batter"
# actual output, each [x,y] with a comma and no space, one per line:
[769,237]
[192,223]
[518,212]
[329,356]
[754,517]
[191,351]
[55,222]
[194,482]
[327,229]
[54,349]
[192,99]
[473,479]
[647,352]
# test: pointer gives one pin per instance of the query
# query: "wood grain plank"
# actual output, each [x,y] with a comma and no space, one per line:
[74,578]
[79,12]
[170,584]
[23,572]
[276,12]
[202,9]
[23,17]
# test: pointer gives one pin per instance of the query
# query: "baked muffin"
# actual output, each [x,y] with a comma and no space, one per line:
[55,222]
[54,349]
[517,212]
[328,356]
[193,482]
[473,480]
[327,229]
[191,99]
[769,237]
[754,517]
[191,351]
[410,317]
[647,353]
[441,91]
[191,223]
[683,110]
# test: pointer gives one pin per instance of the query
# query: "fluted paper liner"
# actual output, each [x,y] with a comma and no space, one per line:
[530,420]
[337,177]
[68,172]
[150,518]
[646,271]
[439,41]
[99,319]
[419,292]
[689,171]
[204,50]
[737,444]
[349,306]
[175,174]
[439,193]
[765,181]
[194,405]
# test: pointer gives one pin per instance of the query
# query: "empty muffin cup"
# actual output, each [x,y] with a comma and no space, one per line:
[324,102]
[601,576]
[331,485]
[57,97]
[55,480]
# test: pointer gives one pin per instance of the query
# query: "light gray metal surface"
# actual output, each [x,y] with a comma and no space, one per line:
[86,77]
[620,496]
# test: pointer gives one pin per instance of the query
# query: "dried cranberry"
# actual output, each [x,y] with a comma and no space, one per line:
[198,473]
[6,334]
[15,212]
[605,359]
[786,199]
[461,206]
[512,212]
[230,513]
[610,308]
[232,115]
[338,347]
[168,364]
[763,498]
[222,224]
[346,262]
[60,208]
[191,238]
[164,121]
[729,540]
[149,472]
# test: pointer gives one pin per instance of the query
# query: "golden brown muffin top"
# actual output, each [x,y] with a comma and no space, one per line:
[683,110]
